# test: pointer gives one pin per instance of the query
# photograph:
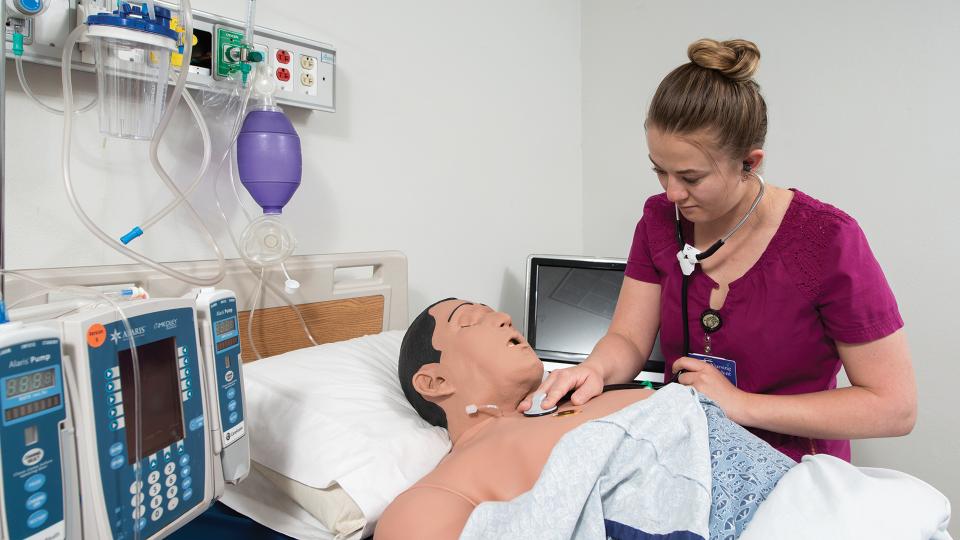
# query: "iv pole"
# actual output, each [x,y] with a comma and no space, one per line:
[3,142]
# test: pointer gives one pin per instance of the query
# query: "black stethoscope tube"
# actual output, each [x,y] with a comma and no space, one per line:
[685,284]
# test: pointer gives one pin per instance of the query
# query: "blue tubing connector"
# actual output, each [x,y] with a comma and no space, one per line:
[3,313]
[134,232]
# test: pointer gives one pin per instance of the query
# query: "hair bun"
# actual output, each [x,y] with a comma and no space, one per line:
[737,59]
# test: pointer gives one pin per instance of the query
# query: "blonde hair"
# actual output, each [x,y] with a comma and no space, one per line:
[715,92]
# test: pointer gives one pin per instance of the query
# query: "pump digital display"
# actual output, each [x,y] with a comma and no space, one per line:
[227,343]
[30,382]
[161,411]
[30,408]
[226,326]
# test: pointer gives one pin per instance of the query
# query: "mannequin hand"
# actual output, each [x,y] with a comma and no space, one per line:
[585,379]
[710,382]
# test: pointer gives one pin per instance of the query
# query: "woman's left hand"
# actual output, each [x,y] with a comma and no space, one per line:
[711,383]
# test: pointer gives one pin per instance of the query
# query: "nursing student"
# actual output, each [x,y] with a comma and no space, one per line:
[782,289]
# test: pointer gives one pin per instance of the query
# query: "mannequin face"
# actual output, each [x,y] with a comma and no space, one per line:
[482,356]
[704,182]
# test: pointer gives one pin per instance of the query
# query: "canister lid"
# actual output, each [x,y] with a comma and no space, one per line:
[135,17]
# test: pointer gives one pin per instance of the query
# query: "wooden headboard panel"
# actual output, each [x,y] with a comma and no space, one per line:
[278,330]
[341,296]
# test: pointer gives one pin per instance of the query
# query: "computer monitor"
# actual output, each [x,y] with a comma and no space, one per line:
[569,305]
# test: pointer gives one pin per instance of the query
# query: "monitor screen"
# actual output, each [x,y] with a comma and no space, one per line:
[574,307]
[161,414]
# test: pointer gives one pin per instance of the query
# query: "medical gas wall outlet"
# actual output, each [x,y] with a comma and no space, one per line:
[29,8]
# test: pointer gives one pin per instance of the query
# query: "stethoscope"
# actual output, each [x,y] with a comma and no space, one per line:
[689,256]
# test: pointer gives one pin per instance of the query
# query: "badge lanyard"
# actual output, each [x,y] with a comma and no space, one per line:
[689,256]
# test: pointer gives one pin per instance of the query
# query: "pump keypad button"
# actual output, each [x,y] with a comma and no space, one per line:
[36,500]
[37,519]
[35,482]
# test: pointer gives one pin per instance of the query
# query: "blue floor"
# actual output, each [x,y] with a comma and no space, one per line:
[221,522]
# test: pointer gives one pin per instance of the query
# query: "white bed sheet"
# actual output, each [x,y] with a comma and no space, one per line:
[257,498]
[825,497]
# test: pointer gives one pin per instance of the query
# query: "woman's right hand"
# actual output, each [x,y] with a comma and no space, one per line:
[586,379]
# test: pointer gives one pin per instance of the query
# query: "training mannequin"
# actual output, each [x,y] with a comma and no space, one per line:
[498,453]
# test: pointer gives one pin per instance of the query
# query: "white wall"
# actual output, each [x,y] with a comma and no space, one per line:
[863,113]
[453,119]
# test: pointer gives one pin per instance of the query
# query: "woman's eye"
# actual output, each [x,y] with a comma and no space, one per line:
[659,172]
[692,180]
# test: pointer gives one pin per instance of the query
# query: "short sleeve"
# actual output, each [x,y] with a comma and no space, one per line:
[855,302]
[640,261]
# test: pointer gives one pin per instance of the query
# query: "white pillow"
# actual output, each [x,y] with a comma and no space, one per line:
[336,414]
[331,506]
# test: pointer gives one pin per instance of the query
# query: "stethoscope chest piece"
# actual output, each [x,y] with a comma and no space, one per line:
[536,408]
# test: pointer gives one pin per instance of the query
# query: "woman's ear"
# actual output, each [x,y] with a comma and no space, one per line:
[430,383]
[753,160]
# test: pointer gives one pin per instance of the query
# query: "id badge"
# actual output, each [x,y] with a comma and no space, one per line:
[727,367]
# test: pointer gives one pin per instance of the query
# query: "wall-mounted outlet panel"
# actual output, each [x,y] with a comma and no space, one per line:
[305,79]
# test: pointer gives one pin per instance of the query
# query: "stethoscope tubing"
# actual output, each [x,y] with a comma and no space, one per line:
[685,284]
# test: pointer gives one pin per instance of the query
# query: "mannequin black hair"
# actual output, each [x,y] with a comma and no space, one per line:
[417,350]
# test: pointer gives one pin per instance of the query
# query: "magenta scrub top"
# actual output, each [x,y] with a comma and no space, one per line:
[817,283]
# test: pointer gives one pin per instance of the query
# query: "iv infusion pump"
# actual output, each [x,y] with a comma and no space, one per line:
[73,463]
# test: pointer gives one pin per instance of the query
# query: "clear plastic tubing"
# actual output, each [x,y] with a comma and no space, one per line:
[164,122]
[68,183]
[29,91]
[251,11]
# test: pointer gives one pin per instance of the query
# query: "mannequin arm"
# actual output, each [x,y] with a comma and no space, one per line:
[424,513]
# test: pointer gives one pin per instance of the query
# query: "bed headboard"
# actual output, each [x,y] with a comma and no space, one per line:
[341,296]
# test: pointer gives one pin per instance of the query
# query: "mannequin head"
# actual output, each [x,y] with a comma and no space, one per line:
[457,353]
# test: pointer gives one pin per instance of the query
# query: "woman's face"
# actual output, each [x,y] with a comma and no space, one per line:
[701,180]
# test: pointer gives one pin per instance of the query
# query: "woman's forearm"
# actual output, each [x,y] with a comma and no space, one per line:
[616,358]
[844,413]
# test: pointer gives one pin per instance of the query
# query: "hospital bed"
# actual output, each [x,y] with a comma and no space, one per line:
[333,440]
